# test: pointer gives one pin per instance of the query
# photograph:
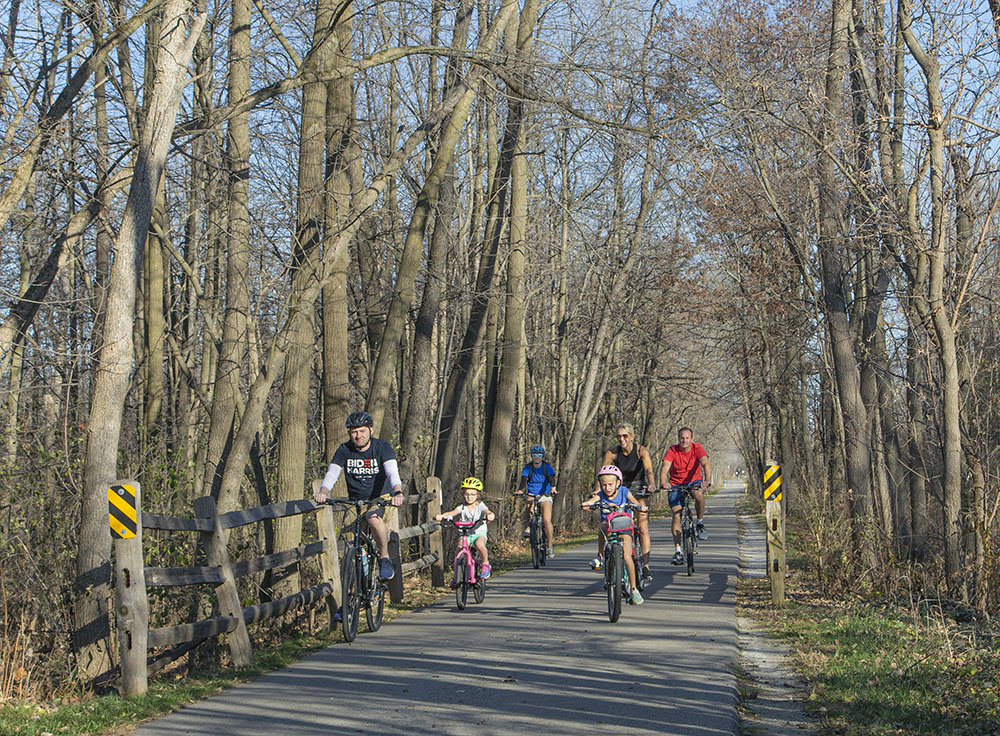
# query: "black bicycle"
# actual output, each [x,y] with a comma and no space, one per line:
[536,528]
[689,534]
[360,585]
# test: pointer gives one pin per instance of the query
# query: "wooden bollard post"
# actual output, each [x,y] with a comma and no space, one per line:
[396,584]
[131,603]
[435,543]
[775,533]
[329,561]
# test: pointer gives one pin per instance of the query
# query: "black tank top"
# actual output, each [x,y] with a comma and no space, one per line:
[630,465]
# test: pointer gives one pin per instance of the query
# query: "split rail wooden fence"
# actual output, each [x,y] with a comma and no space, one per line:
[133,578]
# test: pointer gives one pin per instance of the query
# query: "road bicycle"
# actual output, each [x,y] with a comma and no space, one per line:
[689,534]
[467,565]
[536,528]
[616,580]
[360,585]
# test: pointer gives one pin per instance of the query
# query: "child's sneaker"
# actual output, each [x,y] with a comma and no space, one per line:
[527,532]
[636,597]
[597,564]
[485,570]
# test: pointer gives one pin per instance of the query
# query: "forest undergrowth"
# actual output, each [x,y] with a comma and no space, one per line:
[889,660]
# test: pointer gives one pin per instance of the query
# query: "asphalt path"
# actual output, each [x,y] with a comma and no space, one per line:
[537,656]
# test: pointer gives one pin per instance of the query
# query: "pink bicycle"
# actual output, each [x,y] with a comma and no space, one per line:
[467,563]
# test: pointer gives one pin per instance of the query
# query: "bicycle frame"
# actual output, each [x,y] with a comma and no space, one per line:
[466,565]
[616,579]
[536,528]
[689,538]
[360,585]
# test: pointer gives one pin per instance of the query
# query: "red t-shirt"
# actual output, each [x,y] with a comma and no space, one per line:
[685,467]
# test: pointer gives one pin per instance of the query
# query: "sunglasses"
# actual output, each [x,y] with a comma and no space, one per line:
[622,436]
[537,454]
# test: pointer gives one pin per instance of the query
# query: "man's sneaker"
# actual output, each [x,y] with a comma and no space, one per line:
[646,574]
[550,552]
[338,617]
[597,564]
[699,527]
[636,597]
[485,570]
[385,569]
[678,559]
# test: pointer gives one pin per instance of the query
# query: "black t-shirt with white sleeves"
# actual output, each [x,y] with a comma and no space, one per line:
[364,470]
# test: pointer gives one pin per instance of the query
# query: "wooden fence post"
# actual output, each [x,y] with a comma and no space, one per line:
[329,561]
[396,584]
[131,603]
[435,542]
[229,599]
[775,533]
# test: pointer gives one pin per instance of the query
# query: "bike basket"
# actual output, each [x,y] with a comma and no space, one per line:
[619,522]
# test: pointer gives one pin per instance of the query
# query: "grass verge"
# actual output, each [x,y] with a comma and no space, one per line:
[878,667]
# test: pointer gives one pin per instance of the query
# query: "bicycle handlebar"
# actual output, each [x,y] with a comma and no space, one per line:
[602,504]
[359,502]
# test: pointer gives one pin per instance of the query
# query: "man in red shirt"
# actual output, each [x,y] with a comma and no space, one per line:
[685,462]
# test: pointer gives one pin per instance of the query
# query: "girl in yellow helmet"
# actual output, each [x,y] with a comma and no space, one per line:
[473,510]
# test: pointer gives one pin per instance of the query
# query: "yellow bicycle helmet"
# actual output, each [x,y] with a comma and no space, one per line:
[473,483]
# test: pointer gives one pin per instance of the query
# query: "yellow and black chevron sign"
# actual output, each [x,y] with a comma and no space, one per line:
[772,483]
[122,516]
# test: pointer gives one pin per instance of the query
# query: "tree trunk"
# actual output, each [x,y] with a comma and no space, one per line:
[91,614]
[229,368]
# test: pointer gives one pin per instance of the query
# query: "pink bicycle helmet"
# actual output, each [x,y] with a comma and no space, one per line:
[610,470]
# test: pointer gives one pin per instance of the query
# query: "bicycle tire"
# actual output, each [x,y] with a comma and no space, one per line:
[350,595]
[479,588]
[688,541]
[616,565]
[536,556]
[640,583]
[461,583]
[543,547]
[375,610]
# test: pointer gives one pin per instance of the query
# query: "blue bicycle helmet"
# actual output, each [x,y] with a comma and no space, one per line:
[537,450]
[359,419]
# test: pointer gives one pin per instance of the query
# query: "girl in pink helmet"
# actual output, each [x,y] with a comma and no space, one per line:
[609,479]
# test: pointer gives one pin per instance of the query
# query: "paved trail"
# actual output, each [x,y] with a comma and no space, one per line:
[538,656]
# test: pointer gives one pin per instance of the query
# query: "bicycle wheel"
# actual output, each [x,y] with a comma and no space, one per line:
[376,595]
[350,594]
[536,552]
[479,589]
[615,567]
[461,582]
[688,541]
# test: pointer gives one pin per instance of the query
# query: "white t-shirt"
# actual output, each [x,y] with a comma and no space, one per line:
[475,512]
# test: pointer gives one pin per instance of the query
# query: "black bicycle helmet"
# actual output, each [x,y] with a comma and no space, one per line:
[359,419]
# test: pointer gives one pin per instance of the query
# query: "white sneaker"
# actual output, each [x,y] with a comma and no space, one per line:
[636,597]
[597,564]
[527,532]
[550,552]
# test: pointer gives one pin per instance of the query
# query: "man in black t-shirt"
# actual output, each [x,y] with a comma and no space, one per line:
[368,464]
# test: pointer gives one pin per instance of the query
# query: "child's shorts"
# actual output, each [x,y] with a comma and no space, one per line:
[474,537]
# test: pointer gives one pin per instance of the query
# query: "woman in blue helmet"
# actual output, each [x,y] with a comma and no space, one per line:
[538,480]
